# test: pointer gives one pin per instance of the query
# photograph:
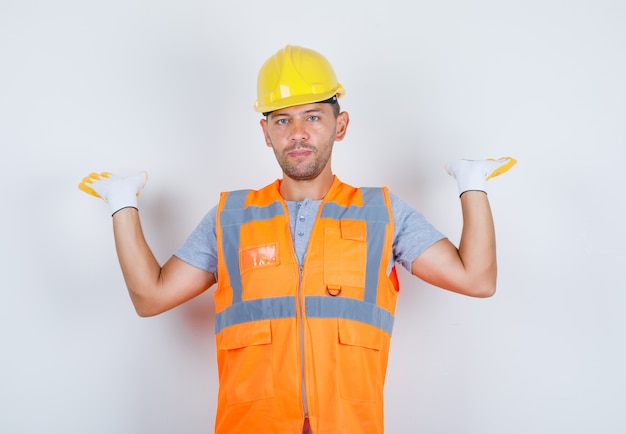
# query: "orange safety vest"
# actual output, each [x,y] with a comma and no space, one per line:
[315,337]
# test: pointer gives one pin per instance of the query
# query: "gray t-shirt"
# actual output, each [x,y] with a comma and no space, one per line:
[412,236]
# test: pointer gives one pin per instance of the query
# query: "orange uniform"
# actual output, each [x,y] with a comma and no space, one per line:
[308,339]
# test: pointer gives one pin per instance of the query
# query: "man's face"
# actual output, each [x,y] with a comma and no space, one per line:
[302,138]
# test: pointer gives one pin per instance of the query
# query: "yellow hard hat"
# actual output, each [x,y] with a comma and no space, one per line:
[295,76]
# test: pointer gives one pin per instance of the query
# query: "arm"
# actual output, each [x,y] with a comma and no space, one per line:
[472,268]
[153,289]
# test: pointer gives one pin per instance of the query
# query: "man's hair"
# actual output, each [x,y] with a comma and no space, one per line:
[334,101]
[336,108]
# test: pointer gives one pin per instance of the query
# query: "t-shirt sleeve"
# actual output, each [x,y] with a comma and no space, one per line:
[413,233]
[200,248]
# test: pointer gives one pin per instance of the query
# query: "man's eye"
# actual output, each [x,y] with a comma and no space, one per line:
[314,118]
[281,121]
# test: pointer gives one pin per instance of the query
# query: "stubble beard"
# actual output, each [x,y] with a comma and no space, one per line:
[305,170]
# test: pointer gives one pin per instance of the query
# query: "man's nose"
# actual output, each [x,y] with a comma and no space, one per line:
[299,132]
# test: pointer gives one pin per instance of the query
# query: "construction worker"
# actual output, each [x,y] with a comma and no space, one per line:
[305,267]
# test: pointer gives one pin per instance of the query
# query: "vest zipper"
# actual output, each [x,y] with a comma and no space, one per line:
[301,308]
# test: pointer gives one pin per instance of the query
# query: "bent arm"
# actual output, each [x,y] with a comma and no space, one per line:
[471,269]
[153,289]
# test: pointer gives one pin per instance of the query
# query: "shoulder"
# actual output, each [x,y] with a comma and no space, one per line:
[400,207]
[237,199]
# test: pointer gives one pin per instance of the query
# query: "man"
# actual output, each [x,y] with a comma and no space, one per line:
[305,267]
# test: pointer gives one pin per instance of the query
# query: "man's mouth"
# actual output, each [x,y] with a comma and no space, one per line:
[300,151]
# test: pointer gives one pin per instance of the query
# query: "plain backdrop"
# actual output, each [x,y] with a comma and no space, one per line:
[168,86]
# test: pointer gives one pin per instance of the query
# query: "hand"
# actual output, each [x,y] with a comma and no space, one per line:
[117,191]
[474,174]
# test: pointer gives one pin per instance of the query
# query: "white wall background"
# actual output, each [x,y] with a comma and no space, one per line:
[168,87]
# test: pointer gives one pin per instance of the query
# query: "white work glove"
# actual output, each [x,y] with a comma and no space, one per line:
[117,191]
[474,174]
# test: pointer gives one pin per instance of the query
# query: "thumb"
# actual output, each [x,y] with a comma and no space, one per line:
[138,181]
[499,166]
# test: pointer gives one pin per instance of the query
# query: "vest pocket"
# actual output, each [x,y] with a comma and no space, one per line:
[360,358]
[247,374]
[345,254]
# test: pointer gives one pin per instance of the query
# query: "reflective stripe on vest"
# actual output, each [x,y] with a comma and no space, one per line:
[376,215]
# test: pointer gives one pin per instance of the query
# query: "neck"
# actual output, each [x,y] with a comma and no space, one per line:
[295,190]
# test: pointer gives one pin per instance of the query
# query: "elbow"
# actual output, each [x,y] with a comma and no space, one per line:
[147,310]
[484,287]
[475,289]
[485,283]
[144,308]
[485,291]
[145,313]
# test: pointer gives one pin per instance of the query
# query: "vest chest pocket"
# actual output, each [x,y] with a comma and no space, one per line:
[256,257]
[345,254]
[361,358]
[247,375]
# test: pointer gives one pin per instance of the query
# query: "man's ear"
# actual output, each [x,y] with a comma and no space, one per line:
[343,119]
[263,123]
